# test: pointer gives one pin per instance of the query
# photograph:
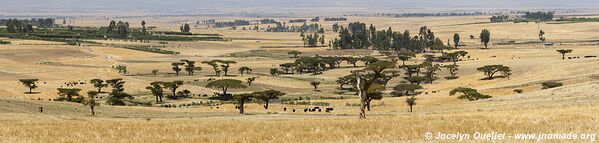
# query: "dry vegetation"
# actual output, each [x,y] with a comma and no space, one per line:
[570,108]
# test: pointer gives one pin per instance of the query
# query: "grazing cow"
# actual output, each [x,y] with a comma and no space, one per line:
[319,110]
[293,110]
[285,109]
[329,110]
[306,110]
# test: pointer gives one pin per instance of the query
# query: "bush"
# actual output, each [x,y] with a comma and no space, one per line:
[551,84]
[518,90]
[4,42]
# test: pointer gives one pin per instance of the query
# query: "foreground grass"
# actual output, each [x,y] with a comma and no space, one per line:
[290,128]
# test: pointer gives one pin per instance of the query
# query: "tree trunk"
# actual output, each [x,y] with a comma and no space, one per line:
[30,90]
[266,106]
[157,99]
[93,112]
[563,56]
[241,108]
[410,108]
[224,90]
[362,99]
[368,105]
[160,99]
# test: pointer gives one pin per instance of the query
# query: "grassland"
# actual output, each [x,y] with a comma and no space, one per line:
[570,108]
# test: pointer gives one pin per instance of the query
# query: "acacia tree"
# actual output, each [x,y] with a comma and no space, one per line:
[214,65]
[411,101]
[241,99]
[69,94]
[468,93]
[404,56]
[118,92]
[375,93]
[453,70]
[244,69]
[29,83]
[268,95]
[98,83]
[176,67]
[294,53]
[225,84]
[92,101]
[430,71]
[542,35]
[490,70]
[315,84]
[250,80]
[485,37]
[173,86]
[157,90]
[226,65]
[564,52]
[405,90]
[190,67]
[349,79]
[366,78]
[456,40]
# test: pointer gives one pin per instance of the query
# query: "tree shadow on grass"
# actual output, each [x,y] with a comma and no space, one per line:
[32,92]
[450,78]
[494,77]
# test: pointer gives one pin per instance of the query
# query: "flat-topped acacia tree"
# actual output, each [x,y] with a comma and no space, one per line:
[225,65]
[225,84]
[404,56]
[244,69]
[157,90]
[69,94]
[268,95]
[241,99]
[176,67]
[91,102]
[490,70]
[29,83]
[315,84]
[564,52]
[173,86]
[99,83]
[214,65]
[368,77]
[453,69]
[468,93]
[190,67]
[118,92]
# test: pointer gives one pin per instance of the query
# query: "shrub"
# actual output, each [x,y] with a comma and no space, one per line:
[551,84]
[518,90]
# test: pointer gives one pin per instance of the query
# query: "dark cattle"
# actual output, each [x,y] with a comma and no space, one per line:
[319,110]
[285,109]
[329,110]
[293,110]
[306,110]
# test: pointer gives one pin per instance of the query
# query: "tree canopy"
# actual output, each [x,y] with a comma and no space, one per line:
[468,93]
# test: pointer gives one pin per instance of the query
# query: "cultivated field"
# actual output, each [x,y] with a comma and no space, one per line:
[571,108]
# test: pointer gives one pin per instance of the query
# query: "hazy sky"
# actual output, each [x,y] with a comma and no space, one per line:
[266,6]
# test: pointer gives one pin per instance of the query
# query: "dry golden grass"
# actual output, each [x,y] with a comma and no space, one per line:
[566,109]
